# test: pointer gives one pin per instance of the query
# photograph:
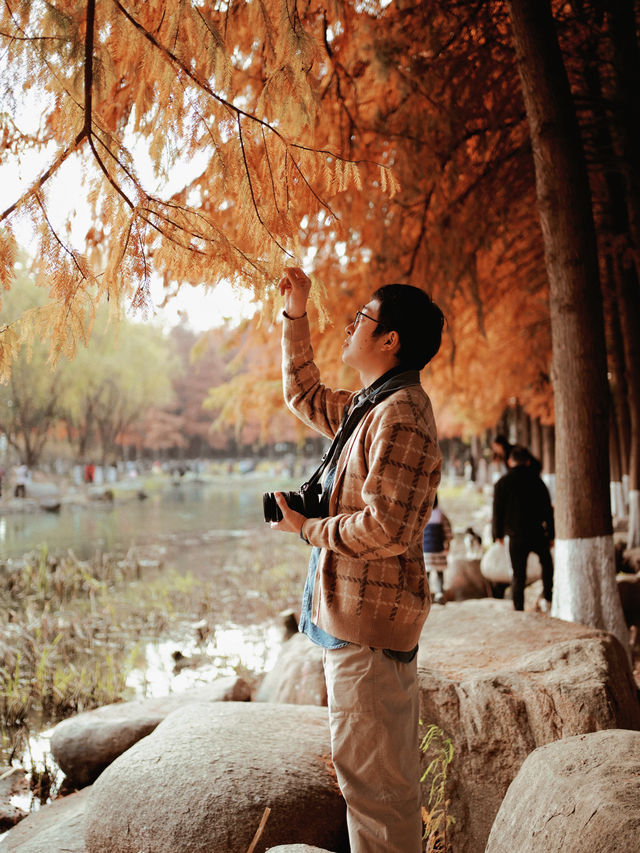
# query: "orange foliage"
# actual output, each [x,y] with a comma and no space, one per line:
[373,144]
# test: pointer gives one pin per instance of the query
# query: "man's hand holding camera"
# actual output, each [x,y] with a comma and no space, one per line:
[292,521]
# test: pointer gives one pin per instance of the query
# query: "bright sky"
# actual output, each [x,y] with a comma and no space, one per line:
[65,191]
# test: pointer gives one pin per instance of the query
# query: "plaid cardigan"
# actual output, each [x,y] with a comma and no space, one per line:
[371,586]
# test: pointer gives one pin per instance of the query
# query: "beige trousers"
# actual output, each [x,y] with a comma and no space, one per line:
[373,716]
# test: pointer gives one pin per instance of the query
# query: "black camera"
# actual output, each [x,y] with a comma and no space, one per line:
[306,502]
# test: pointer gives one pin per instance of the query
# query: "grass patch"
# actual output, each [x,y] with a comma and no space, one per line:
[68,642]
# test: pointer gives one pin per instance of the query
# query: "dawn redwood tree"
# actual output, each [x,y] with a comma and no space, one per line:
[298,117]
[607,83]
[585,587]
[621,18]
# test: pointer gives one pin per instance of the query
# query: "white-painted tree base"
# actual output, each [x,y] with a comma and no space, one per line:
[584,585]
[633,540]
[618,503]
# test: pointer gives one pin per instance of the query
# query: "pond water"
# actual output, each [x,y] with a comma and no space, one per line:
[223,508]
[212,529]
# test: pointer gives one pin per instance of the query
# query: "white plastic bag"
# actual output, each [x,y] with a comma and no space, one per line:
[496,564]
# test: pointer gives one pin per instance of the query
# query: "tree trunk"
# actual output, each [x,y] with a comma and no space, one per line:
[536,438]
[585,587]
[621,286]
[503,426]
[522,421]
[476,455]
[629,304]
[618,504]
[548,449]
[622,25]
[616,363]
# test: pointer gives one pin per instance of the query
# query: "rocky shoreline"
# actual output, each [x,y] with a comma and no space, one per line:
[198,771]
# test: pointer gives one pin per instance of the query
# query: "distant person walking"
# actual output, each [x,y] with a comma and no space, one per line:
[522,511]
[21,477]
[435,547]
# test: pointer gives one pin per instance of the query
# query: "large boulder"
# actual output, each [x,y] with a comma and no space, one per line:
[577,795]
[500,684]
[297,677]
[202,780]
[87,743]
[55,828]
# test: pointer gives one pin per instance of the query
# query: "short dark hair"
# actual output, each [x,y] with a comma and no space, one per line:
[503,441]
[416,318]
[520,455]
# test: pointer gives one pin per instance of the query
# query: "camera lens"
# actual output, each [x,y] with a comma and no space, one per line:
[272,511]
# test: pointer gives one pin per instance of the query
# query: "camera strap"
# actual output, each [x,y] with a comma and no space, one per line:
[362,403]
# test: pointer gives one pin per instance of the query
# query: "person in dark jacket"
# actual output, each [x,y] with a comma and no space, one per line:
[522,511]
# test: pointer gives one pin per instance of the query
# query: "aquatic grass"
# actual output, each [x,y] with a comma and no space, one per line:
[74,629]
[67,644]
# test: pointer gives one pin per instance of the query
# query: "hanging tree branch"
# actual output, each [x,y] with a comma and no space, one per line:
[253,198]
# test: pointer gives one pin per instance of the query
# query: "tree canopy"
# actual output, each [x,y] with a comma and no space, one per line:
[362,136]
[372,141]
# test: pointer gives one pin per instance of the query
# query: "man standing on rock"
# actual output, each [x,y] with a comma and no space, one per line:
[366,597]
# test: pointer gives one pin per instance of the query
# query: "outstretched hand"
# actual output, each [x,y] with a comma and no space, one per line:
[295,286]
[292,521]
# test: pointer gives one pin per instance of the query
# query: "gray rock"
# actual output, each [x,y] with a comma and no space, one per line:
[500,684]
[13,782]
[577,795]
[201,781]
[297,677]
[56,828]
[463,579]
[87,743]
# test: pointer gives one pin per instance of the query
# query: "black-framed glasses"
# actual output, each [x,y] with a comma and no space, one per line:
[359,314]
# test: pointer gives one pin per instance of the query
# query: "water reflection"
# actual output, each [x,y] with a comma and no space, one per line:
[230,650]
[188,507]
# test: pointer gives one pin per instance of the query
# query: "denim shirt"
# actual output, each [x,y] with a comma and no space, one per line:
[306,626]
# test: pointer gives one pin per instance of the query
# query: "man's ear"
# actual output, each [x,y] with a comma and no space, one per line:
[391,342]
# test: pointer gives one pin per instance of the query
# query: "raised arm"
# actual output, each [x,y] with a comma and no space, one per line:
[304,392]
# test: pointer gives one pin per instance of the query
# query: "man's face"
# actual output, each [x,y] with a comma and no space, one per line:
[361,350]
